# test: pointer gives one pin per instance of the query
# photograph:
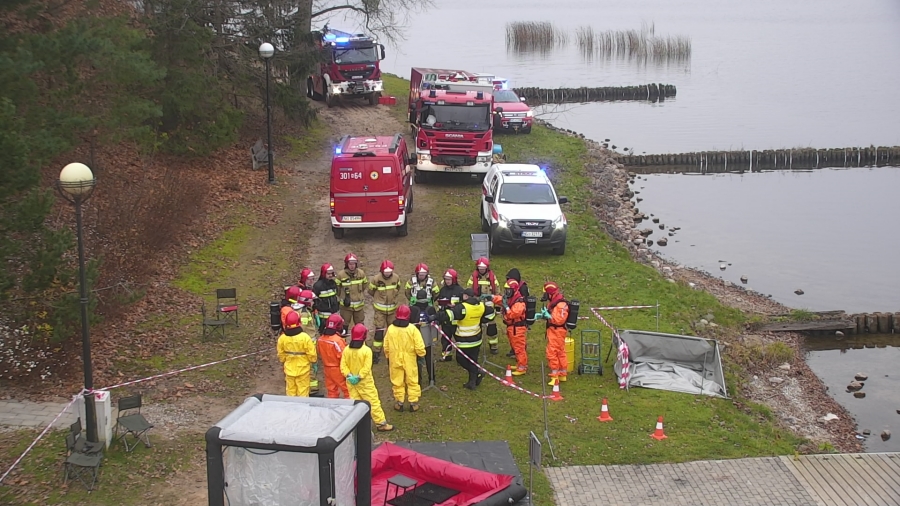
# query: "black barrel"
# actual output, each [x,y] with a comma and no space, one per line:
[530,307]
[572,320]
[275,315]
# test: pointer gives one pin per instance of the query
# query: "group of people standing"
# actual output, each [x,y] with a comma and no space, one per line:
[318,314]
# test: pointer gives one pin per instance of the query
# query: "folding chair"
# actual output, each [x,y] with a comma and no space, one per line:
[81,466]
[82,445]
[134,424]
[227,305]
[212,326]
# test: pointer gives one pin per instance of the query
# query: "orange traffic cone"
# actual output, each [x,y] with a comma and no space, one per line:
[658,434]
[556,396]
[604,413]
[508,379]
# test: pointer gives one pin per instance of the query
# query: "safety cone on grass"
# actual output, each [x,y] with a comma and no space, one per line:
[658,434]
[556,396]
[604,413]
[508,379]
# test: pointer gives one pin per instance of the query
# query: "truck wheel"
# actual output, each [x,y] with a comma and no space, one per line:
[526,130]
[485,226]
[330,99]
[373,98]
[409,205]
[560,250]
[311,90]
[338,232]
[403,230]
[493,245]
[309,87]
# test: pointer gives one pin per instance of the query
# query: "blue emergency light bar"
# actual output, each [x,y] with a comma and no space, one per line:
[479,95]
[341,40]
[330,36]
[337,150]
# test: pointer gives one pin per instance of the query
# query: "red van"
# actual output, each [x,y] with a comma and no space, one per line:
[371,184]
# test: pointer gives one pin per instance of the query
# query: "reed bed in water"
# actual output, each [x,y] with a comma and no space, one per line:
[527,36]
[640,44]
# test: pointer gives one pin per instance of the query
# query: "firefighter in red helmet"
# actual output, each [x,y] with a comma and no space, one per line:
[352,283]
[330,346]
[556,313]
[422,280]
[484,284]
[448,296]
[385,290]
[516,330]
[297,352]
[288,305]
[307,278]
[404,349]
[356,366]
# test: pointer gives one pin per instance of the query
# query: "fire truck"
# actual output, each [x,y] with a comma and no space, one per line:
[452,129]
[348,67]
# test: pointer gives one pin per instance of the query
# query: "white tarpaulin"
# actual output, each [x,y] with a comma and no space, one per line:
[671,362]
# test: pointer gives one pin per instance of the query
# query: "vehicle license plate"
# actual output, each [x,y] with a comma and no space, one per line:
[532,234]
[453,169]
[351,218]
[514,120]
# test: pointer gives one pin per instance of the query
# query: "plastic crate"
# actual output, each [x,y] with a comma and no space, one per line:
[480,246]
[387,100]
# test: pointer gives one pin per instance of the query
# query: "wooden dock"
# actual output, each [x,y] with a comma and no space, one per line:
[849,479]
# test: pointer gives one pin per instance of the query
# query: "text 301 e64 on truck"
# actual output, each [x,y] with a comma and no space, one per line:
[519,207]
[348,67]
[452,129]
[371,184]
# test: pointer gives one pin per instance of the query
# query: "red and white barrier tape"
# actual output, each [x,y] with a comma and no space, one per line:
[489,373]
[41,435]
[622,348]
[605,308]
[179,371]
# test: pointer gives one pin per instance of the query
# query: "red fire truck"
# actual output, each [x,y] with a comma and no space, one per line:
[348,67]
[452,128]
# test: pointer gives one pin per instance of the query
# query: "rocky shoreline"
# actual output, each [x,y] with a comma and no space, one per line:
[796,396]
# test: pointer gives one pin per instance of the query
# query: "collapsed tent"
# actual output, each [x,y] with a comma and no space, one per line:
[670,362]
[439,482]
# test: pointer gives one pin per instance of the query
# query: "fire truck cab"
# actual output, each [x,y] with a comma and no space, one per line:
[348,67]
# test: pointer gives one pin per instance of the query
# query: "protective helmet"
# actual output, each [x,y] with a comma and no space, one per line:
[403,312]
[421,268]
[334,322]
[483,262]
[387,267]
[291,321]
[551,288]
[350,258]
[512,283]
[292,294]
[305,274]
[306,298]
[359,332]
[325,268]
[452,274]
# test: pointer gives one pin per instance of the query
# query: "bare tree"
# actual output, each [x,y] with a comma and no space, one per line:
[386,18]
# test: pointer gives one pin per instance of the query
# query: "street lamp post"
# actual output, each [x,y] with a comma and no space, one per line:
[266,51]
[76,183]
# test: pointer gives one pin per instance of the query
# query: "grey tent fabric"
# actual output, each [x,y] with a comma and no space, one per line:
[674,362]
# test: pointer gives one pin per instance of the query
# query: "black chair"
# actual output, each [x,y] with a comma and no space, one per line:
[134,424]
[82,445]
[398,481]
[85,467]
[227,304]
[212,326]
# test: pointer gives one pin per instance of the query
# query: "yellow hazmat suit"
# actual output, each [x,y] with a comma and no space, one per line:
[296,352]
[358,361]
[402,347]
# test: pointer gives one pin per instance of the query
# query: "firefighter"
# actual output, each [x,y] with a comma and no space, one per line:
[330,347]
[404,350]
[523,291]
[555,313]
[326,292]
[296,351]
[356,366]
[448,296]
[385,290]
[468,316]
[351,291]
[307,278]
[289,303]
[421,280]
[304,307]
[516,331]
[422,314]
[484,284]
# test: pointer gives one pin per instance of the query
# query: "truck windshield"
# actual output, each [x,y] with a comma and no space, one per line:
[457,117]
[355,55]
[505,96]
[526,193]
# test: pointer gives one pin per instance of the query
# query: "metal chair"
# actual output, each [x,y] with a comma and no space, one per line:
[398,481]
[227,305]
[134,424]
[81,466]
[212,326]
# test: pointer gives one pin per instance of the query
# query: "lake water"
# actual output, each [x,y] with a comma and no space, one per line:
[763,74]
[877,356]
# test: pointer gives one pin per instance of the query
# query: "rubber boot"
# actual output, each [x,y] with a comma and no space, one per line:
[478,378]
[384,427]
[494,349]
[398,406]
[413,406]
[376,356]
[471,383]
[511,354]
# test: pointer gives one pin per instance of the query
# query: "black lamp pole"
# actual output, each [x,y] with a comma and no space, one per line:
[76,187]
[266,51]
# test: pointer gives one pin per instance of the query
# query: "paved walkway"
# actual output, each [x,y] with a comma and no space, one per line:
[35,414]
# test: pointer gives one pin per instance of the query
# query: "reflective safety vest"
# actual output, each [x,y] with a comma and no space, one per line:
[308,322]
[413,286]
[353,285]
[385,292]
[468,319]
